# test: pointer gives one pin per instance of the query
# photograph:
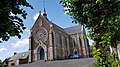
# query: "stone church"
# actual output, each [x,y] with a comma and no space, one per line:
[49,41]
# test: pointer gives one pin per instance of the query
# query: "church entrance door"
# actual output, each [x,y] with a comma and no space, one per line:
[42,54]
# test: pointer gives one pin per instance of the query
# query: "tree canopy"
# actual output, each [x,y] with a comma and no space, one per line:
[1,63]
[102,18]
[11,15]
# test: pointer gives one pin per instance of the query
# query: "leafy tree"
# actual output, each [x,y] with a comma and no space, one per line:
[102,18]
[6,61]
[1,63]
[11,14]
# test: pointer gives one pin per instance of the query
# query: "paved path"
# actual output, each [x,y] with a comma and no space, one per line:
[86,62]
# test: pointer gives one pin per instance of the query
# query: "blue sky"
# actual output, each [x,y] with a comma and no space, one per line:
[55,14]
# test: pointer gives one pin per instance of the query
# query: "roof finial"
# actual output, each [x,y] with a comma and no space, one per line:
[44,14]
[44,6]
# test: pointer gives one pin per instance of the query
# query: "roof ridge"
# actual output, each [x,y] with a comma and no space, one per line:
[71,26]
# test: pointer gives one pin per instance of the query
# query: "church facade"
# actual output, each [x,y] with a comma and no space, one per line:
[48,41]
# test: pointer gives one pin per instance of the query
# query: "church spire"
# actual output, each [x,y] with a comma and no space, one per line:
[44,14]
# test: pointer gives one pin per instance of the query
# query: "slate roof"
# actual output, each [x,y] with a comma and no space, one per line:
[57,26]
[73,29]
[22,55]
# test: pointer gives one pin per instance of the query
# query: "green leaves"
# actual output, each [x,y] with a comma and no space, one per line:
[102,18]
[11,14]
[1,64]
[98,1]
[96,52]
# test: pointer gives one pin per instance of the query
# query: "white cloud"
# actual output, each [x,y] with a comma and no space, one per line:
[11,14]
[66,10]
[20,43]
[8,53]
[36,16]
[2,49]
[26,30]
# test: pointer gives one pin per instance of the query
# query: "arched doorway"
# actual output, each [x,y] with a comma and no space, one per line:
[75,51]
[42,54]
